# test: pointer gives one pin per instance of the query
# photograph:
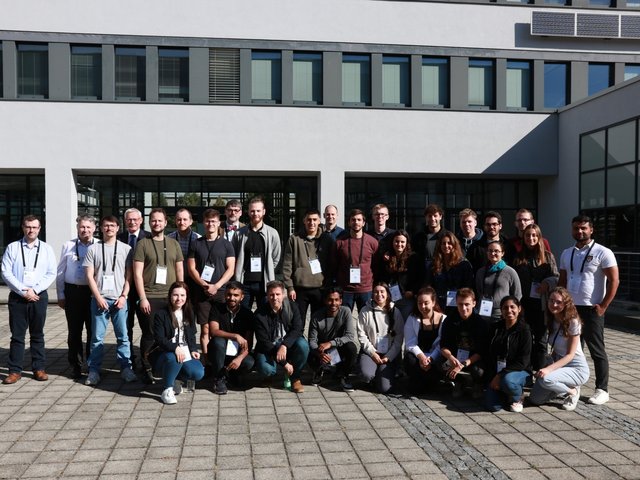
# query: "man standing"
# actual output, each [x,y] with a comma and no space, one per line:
[469,233]
[589,272]
[183,233]
[232,225]
[379,229]
[424,241]
[231,329]
[332,339]
[157,263]
[331,221]
[28,269]
[279,339]
[477,253]
[259,253]
[133,234]
[306,265]
[524,217]
[108,273]
[210,265]
[354,256]
[74,295]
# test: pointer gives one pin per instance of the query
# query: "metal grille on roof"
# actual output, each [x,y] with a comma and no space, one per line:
[224,75]
[550,23]
[629,26]
[592,25]
[585,25]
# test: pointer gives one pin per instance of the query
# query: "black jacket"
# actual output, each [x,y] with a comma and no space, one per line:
[266,327]
[513,344]
[163,333]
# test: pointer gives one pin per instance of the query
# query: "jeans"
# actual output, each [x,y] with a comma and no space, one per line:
[25,315]
[77,309]
[511,385]
[359,299]
[593,336]
[296,356]
[100,320]
[219,359]
[169,367]
[559,381]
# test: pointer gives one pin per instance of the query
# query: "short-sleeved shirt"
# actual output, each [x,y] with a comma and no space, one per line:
[241,323]
[107,265]
[213,253]
[152,257]
[591,287]
[560,343]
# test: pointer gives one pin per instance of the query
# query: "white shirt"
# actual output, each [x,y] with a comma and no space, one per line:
[588,286]
[70,268]
[13,268]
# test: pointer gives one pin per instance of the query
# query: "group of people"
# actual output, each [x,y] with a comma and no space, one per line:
[471,310]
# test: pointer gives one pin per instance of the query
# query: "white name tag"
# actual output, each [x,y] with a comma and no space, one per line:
[315,266]
[395,292]
[574,284]
[535,290]
[256,264]
[108,283]
[354,274]
[207,273]
[29,278]
[451,298]
[187,353]
[486,308]
[382,343]
[335,356]
[232,348]
[463,355]
[501,365]
[161,275]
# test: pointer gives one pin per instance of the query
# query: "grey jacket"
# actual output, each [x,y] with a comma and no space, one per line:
[272,252]
[339,330]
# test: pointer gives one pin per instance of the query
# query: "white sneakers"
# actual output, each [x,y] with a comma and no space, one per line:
[571,402]
[516,407]
[128,375]
[599,397]
[93,378]
[168,397]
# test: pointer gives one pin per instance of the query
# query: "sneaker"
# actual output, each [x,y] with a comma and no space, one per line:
[571,402]
[599,397]
[168,397]
[93,378]
[346,386]
[317,376]
[297,387]
[128,375]
[177,387]
[516,407]
[220,386]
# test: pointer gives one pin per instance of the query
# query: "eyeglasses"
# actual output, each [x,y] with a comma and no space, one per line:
[494,252]
[494,224]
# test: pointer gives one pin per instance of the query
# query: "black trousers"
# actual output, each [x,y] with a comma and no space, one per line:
[23,316]
[77,310]
[593,336]
[146,325]
[308,297]
[348,353]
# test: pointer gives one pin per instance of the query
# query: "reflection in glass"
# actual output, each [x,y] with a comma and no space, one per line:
[518,84]
[592,152]
[592,190]
[356,79]
[173,74]
[395,80]
[621,145]
[600,77]
[556,84]
[33,70]
[266,77]
[435,81]
[130,73]
[621,185]
[86,72]
[481,82]
[307,77]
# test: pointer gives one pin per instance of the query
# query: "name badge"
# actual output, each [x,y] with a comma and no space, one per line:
[207,273]
[486,308]
[382,343]
[451,298]
[535,290]
[574,284]
[463,355]
[108,283]
[161,275]
[395,292]
[256,264]
[501,364]
[354,274]
[232,348]
[315,266]
[29,278]
[187,353]
[335,356]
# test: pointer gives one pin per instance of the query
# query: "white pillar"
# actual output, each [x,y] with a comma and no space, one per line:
[61,200]
[332,191]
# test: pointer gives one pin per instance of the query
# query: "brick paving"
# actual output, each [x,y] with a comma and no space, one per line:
[64,429]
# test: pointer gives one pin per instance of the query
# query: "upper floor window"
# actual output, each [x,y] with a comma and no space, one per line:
[519,85]
[435,81]
[556,84]
[600,77]
[33,70]
[481,83]
[555,2]
[266,77]
[173,74]
[356,79]
[130,73]
[600,3]
[307,78]
[86,72]
[1,73]
[631,71]
[396,83]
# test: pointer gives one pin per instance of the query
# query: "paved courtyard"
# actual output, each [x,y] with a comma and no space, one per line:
[64,429]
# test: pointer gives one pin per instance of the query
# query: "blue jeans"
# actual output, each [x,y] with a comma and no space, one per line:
[99,322]
[511,386]
[167,364]
[296,356]
[359,299]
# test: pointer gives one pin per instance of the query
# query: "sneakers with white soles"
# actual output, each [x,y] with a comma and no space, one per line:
[571,402]
[93,378]
[599,397]
[168,397]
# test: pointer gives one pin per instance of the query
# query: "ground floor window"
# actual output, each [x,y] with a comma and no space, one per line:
[20,195]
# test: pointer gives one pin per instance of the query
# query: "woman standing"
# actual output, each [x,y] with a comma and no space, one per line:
[569,369]
[450,271]
[538,273]
[175,343]
[380,333]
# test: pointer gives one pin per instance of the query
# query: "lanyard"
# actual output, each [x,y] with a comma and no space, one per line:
[77,249]
[24,263]
[153,242]
[361,250]
[584,260]
[113,264]
[554,338]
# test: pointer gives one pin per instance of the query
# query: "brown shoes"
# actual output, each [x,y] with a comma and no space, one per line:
[40,375]
[297,387]
[12,378]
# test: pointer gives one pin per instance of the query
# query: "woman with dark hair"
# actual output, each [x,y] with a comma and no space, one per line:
[175,350]
[509,362]
[450,271]
[538,273]
[569,369]
[422,358]
[380,333]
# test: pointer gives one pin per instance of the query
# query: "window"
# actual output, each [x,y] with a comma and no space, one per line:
[592,152]
[86,72]
[519,85]
[307,78]
[224,75]
[1,72]
[631,71]
[600,3]
[266,77]
[600,77]
[481,83]
[173,74]
[396,83]
[556,85]
[435,81]
[356,79]
[555,2]
[33,70]
[130,73]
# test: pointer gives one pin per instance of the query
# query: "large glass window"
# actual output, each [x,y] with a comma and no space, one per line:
[307,78]
[481,83]
[130,73]
[356,79]
[556,84]
[631,70]
[435,81]
[621,144]
[600,3]
[592,151]
[1,73]
[600,77]
[173,74]
[20,195]
[86,72]
[519,85]
[396,82]
[266,77]
[33,70]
